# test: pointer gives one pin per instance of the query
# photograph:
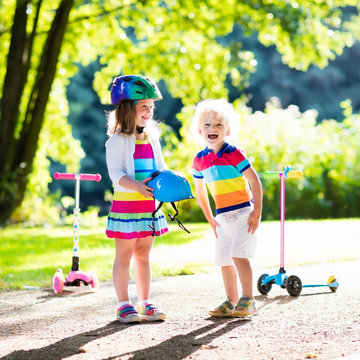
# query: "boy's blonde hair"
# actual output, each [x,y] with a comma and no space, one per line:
[215,108]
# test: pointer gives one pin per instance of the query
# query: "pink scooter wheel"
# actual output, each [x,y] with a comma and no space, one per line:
[58,281]
[94,281]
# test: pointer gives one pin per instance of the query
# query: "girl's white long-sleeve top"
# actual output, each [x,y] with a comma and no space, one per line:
[120,161]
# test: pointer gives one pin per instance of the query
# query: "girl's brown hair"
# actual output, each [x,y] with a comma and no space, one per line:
[122,119]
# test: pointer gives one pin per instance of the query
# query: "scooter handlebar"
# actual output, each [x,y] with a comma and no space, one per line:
[295,174]
[271,174]
[72,176]
[90,177]
[290,174]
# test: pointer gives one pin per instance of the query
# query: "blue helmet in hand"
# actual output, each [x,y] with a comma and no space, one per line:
[169,186]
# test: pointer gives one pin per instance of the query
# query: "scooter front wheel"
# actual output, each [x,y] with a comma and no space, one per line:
[94,281]
[58,281]
[293,285]
[264,289]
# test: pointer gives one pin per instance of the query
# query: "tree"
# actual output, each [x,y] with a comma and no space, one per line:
[18,151]
[320,89]
[177,41]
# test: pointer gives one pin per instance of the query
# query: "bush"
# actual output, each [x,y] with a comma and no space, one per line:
[327,153]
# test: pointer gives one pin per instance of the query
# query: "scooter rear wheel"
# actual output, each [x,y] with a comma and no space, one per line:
[264,289]
[94,282]
[293,285]
[58,281]
[331,280]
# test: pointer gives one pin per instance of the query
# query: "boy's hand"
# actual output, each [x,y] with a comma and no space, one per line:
[213,223]
[253,221]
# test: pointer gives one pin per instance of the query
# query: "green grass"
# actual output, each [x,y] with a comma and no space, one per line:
[30,257]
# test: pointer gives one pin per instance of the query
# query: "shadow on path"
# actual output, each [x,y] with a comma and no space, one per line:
[286,299]
[177,347]
[181,346]
[66,347]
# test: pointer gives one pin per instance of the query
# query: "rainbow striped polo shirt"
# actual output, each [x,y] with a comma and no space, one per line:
[223,175]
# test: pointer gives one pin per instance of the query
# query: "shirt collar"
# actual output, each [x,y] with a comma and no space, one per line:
[220,152]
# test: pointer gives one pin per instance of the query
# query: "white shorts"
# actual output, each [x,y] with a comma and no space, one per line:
[233,238]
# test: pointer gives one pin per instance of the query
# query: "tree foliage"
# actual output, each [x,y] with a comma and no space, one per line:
[326,152]
[320,89]
[25,93]
[177,41]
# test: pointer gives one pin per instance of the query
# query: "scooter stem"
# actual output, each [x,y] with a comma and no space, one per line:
[75,264]
[282,218]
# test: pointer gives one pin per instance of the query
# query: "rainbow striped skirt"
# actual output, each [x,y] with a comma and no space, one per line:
[130,217]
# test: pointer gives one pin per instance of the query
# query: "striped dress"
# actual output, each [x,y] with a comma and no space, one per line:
[130,215]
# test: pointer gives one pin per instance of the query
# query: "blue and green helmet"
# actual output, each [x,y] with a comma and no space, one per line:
[134,87]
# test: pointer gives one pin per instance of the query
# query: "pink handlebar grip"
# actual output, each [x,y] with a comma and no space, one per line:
[64,176]
[68,176]
[90,177]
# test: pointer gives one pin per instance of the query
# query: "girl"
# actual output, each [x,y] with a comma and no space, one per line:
[132,152]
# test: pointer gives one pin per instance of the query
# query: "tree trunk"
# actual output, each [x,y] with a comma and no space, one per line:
[14,176]
[13,85]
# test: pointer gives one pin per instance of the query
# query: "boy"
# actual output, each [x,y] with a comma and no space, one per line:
[228,173]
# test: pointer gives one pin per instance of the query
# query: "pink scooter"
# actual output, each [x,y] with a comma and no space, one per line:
[292,283]
[75,276]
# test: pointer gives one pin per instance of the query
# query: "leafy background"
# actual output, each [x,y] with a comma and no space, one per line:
[289,68]
[292,117]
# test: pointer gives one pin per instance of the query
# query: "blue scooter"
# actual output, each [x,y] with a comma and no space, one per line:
[292,283]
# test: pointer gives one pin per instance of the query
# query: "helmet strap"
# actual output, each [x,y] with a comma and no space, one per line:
[152,226]
[174,217]
[140,129]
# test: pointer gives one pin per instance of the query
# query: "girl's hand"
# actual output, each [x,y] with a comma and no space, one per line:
[145,190]
[214,224]
[253,221]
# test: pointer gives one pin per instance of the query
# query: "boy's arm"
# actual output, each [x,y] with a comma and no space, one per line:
[256,189]
[203,200]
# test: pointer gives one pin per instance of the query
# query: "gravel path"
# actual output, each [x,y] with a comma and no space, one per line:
[37,324]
